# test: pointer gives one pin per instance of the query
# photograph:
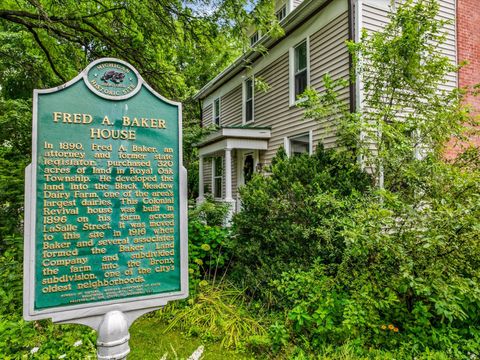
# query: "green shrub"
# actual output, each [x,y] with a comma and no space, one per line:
[207,239]
[11,270]
[408,277]
[294,216]
[34,339]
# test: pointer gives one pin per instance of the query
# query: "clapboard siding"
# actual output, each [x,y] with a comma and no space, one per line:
[207,118]
[375,17]
[207,175]
[231,107]
[328,54]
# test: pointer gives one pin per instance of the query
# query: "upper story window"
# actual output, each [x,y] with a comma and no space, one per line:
[300,68]
[216,112]
[254,38]
[281,13]
[248,100]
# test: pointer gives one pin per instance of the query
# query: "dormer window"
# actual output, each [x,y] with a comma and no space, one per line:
[280,14]
[254,38]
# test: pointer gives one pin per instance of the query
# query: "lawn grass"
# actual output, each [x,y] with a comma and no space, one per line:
[149,342]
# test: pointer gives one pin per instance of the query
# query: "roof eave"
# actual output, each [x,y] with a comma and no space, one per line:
[236,132]
[292,21]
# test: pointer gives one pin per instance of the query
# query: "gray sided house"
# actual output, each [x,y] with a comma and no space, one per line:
[252,125]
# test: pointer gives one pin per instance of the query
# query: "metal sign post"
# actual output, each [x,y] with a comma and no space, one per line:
[106,204]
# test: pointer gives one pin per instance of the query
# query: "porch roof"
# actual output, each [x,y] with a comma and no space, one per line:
[235,137]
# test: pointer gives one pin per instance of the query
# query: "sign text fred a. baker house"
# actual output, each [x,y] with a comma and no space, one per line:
[105,212]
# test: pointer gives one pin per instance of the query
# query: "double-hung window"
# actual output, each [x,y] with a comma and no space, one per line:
[216,112]
[281,13]
[254,38]
[299,70]
[299,144]
[217,176]
[248,100]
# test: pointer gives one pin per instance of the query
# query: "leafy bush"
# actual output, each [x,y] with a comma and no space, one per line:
[34,339]
[15,149]
[408,278]
[11,269]
[207,239]
[294,216]
[391,270]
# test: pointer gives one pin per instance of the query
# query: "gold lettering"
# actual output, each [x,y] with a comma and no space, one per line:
[57,116]
[106,121]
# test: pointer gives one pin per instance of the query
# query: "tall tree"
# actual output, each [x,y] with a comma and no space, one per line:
[177,46]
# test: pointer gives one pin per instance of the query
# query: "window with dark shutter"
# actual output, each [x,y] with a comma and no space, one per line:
[216,112]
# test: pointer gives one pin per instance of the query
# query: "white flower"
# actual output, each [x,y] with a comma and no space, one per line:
[63,356]
[197,353]
[34,350]
[78,343]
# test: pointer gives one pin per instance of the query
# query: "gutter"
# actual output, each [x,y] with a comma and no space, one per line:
[299,15]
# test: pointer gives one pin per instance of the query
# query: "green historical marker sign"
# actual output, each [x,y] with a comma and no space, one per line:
[105,199]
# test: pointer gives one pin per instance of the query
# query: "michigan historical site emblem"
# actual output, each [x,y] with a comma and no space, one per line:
[113,80]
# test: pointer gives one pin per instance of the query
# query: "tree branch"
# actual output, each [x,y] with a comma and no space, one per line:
[47,54]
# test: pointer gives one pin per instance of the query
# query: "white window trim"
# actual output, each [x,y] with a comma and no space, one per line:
[287,142]
[278,11]
[289,6]
[219,110]
[242,154]
[294,101]
[259,36]
[309,27]
[213,178]
[244,100]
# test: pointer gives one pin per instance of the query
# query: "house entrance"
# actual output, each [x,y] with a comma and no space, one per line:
[247,160]
[248,167]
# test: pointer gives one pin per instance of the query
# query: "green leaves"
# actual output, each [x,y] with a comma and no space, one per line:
[394,266]
[294,216]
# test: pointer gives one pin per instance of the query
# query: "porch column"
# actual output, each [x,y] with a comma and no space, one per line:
[201,186]
[228,175]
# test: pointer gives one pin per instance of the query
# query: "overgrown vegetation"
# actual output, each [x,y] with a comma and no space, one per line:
[309,201]
[389,267]
[329,257]
[45,43]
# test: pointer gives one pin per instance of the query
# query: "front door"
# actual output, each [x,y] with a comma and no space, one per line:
[247,161]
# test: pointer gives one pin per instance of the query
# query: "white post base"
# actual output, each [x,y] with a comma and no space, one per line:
[113,336]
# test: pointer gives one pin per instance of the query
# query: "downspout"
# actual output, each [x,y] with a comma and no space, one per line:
[358,21]
[351,37]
